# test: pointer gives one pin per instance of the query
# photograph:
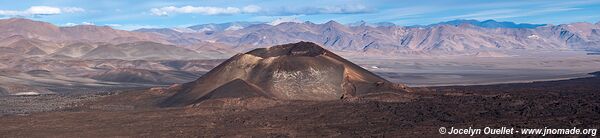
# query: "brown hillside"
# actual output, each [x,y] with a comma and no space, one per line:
[297,71]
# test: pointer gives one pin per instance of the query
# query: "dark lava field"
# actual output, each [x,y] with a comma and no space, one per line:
[552,104]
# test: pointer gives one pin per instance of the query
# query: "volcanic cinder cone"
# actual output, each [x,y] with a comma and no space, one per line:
[297,71]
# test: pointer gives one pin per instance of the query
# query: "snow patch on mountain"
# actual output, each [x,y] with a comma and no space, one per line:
[234,27]
[533,36]
[285,19]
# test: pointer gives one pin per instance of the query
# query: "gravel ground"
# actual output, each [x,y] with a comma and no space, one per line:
[23,105]
[554,104]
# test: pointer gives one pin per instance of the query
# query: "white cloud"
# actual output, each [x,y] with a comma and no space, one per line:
[251,9]
[43,10]
[254,9]
[87,23]
[338,9]
[10,13]
[346,9]
[40,10]
[75,24]
[165,11]
[70,24]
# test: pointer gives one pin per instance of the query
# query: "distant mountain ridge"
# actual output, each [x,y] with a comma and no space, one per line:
[28,38]
[459,37]
[452,37]
[489,24]
[49,32]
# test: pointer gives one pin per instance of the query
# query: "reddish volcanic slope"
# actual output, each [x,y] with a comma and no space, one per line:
[297,71]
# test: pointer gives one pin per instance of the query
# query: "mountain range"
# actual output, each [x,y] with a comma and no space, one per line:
[27,38]
[452,37]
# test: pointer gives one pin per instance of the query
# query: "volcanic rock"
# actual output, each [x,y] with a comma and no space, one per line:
[296,71]
[235,89]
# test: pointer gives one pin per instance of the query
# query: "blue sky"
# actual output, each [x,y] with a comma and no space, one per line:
[135,14]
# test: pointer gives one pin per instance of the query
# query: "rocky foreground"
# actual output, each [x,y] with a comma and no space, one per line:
[554,104]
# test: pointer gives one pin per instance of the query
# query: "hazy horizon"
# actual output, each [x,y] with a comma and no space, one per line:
[279,21]
[130,15]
